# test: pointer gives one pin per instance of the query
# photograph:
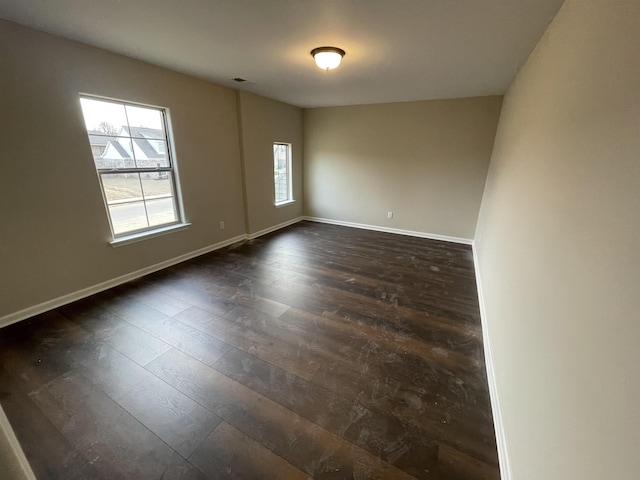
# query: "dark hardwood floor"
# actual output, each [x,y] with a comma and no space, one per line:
[315,352]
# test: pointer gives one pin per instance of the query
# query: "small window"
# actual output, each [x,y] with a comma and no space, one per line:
[130,150]
[282,172]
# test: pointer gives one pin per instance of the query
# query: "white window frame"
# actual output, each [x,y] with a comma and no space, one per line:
[131,236]
[288,180]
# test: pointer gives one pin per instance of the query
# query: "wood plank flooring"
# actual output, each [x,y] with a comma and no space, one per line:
[317,351]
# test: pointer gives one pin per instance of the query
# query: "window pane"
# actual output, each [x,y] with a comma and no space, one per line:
[156,184]
[151,150]
[99,145]
[103,117]
[118,153]
[281,187]
[161,211]
[143,117]
[122,187]
[127,217]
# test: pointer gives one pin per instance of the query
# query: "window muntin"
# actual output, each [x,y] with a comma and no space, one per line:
[130,151]
[282,173]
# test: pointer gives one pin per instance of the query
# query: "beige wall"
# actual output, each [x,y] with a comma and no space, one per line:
[557,243]
[263,122]
[54,232]
[424,161]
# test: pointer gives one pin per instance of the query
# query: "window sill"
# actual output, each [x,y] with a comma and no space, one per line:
[138,237]
[284,204]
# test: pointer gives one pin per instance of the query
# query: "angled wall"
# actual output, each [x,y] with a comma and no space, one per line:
[557,248]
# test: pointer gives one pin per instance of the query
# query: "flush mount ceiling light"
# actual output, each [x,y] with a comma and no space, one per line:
[327,58]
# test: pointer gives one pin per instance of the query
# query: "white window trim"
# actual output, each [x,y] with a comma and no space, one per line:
[146,234]
[285,203]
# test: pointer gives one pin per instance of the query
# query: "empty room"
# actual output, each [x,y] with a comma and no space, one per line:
[339,239]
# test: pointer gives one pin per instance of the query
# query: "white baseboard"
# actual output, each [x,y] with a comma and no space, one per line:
[411,233]
[251,236]
[503,457]
[85,292]
[11,454]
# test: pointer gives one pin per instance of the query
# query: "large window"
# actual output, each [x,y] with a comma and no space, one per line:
[282,172]
[131,152]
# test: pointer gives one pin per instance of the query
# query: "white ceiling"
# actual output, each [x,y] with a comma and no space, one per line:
[397,50]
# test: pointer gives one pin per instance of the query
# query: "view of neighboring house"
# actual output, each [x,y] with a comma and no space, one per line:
[99,141]
[130,147]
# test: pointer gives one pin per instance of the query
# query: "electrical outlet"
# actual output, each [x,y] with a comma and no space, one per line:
[389,214]
[221,225]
